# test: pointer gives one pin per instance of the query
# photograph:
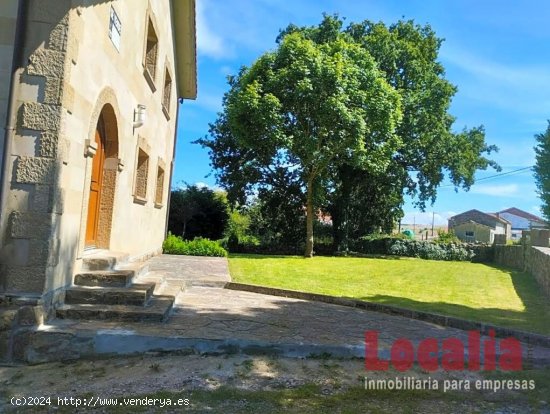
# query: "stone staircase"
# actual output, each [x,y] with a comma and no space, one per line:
[109,288]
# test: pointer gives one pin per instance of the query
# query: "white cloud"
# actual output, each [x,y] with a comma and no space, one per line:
[209,43]
[210,102]
[525,76]
[200,184]
[227,70]
[521,88]
[503,190]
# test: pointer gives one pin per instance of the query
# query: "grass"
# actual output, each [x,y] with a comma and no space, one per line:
[466,290]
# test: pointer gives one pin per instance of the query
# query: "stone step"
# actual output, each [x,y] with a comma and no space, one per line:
[139,268]
[114,278]
[156,310]
[103,260]
[135,294]
[164,285]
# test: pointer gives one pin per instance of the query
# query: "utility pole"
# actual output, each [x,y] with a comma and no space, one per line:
[433,219]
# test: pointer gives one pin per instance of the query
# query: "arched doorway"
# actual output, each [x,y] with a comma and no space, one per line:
[96,182]
[103,181]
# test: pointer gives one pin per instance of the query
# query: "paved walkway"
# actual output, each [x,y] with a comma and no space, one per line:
[209,318]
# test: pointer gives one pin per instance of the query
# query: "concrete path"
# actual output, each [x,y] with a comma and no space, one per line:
[208,318]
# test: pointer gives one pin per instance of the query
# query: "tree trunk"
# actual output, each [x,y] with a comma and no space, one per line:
[309,219]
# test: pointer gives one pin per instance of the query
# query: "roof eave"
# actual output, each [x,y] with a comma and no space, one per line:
[185,47]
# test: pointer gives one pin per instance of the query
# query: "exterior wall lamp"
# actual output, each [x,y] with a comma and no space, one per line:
[139,116]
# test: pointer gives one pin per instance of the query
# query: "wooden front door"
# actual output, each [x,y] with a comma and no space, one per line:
[95,188]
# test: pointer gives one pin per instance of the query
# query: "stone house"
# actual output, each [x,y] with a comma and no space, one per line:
[89,94]
[476,226]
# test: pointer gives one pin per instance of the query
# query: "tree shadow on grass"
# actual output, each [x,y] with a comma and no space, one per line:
[535,317]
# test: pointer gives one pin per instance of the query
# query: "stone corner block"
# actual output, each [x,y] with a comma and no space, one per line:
[35,170]
[40,117]
[31,225]
[47,62]
[28,279]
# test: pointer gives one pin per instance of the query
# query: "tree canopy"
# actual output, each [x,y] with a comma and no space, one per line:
[347,118]
[542,170]
[197,212]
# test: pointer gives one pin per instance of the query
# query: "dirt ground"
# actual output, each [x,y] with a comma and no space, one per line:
[235,384]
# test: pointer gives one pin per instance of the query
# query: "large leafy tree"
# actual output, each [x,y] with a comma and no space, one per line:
[542,169]
[364,203]
[407,56]
[354,117]
[299,112]
[198,212]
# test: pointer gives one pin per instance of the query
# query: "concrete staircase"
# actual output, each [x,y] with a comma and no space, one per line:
[108,288]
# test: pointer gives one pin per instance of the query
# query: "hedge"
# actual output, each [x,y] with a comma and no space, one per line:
[398,246]
[196,247]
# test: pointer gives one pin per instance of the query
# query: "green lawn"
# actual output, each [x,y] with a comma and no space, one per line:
[467,290]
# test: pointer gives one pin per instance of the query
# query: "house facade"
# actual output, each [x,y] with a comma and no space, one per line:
[521,220]
[476,226]
[89,95]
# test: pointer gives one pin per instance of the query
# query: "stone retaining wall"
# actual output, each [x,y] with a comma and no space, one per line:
[532,259]
[510,256]
[539,266]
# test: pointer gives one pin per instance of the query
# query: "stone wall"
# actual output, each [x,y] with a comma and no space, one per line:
[16,317]
[539,266]
[510,256]
[8,19]
[532,259]
[35,198]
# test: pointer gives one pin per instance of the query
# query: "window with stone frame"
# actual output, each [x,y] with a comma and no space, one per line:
[151,54]
[142,171]
[160,186]
[167,94]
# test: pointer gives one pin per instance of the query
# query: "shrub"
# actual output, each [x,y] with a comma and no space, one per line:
[196,247]
[239,244]
[447,237]
[398,246]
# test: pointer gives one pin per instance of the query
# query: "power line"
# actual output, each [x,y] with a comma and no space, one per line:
[519,170]
[505,173]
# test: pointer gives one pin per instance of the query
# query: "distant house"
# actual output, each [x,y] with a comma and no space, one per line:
[521,220]
[476,226]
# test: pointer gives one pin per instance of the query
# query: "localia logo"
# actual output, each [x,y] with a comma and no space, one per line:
[449,354]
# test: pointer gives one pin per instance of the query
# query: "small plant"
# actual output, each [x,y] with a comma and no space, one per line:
[248,364]
[447,237]
[155,367]
[196,247]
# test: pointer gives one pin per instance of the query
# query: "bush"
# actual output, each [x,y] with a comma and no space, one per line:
[447,237]
[398,246]
[241,244]
[196,247]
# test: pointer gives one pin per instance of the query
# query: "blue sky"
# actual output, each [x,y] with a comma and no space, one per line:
[496,52]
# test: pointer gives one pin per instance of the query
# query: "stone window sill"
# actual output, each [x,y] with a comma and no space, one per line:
[140,200]
[166,113]
[149,79]
[159,205]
